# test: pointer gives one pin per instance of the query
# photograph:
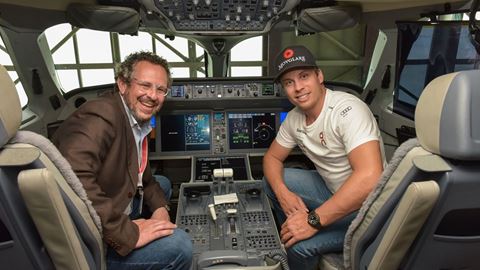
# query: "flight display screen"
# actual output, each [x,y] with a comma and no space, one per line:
[251,130]
[185,132]
[178,91]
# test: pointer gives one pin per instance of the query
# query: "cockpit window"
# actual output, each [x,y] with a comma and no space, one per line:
[79,62]
[246,58]
[6,61]
[426,51]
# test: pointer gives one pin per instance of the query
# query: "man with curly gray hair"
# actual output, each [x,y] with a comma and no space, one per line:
[125,69]
[106,143]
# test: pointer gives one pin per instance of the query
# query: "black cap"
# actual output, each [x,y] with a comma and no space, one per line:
[293,57]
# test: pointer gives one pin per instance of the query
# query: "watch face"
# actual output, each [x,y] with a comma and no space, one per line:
[314,220]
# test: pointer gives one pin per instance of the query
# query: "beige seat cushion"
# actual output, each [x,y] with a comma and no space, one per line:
[45,204]
[408,219]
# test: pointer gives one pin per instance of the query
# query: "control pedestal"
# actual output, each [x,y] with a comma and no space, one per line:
[231,225]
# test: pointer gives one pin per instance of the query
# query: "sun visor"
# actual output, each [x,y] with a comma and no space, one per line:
[123,20]
[324,19]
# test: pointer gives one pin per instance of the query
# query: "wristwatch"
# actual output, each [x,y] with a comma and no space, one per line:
[314,220]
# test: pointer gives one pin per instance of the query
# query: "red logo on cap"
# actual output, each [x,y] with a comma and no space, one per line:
[287,53]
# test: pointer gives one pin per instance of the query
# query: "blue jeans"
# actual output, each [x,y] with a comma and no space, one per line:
[171,252]
[310,186]
[165,185]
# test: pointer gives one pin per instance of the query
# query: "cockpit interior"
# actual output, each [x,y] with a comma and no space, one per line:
[414,63]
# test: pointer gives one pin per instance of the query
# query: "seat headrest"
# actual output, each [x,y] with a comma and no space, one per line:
[10,108]
[447,117]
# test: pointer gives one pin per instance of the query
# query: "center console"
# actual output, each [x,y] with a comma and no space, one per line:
[231,224]
[203,167]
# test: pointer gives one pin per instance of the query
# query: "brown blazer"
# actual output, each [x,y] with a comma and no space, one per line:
[98,142]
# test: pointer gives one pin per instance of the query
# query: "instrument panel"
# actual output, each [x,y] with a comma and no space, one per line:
[221,116]
[219,90]
[216,132]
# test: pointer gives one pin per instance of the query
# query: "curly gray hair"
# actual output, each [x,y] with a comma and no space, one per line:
[125,69]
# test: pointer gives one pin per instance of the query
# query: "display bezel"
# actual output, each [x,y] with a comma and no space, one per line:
[251,149]
[160,129]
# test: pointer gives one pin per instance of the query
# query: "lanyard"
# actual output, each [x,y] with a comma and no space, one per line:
[143,163]
[141,169]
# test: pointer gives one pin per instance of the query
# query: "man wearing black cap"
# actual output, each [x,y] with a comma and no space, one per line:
[339,134]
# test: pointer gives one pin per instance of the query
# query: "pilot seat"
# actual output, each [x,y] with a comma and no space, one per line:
[46,219]
[425,211]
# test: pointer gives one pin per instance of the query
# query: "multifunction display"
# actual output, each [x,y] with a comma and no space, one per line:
[216,132]
[251,130]
[185,132]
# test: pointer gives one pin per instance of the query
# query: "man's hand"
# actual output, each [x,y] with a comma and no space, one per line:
[161,214]
[152,229]
[291,203]
[296,228]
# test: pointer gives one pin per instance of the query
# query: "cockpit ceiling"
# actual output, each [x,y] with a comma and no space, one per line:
[48,4]
[218,17]
[367,5]
[385,5]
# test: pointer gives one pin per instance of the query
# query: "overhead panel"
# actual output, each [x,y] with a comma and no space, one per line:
[220,16]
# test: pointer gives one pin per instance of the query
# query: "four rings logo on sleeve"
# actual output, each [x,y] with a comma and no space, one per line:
[345,111]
